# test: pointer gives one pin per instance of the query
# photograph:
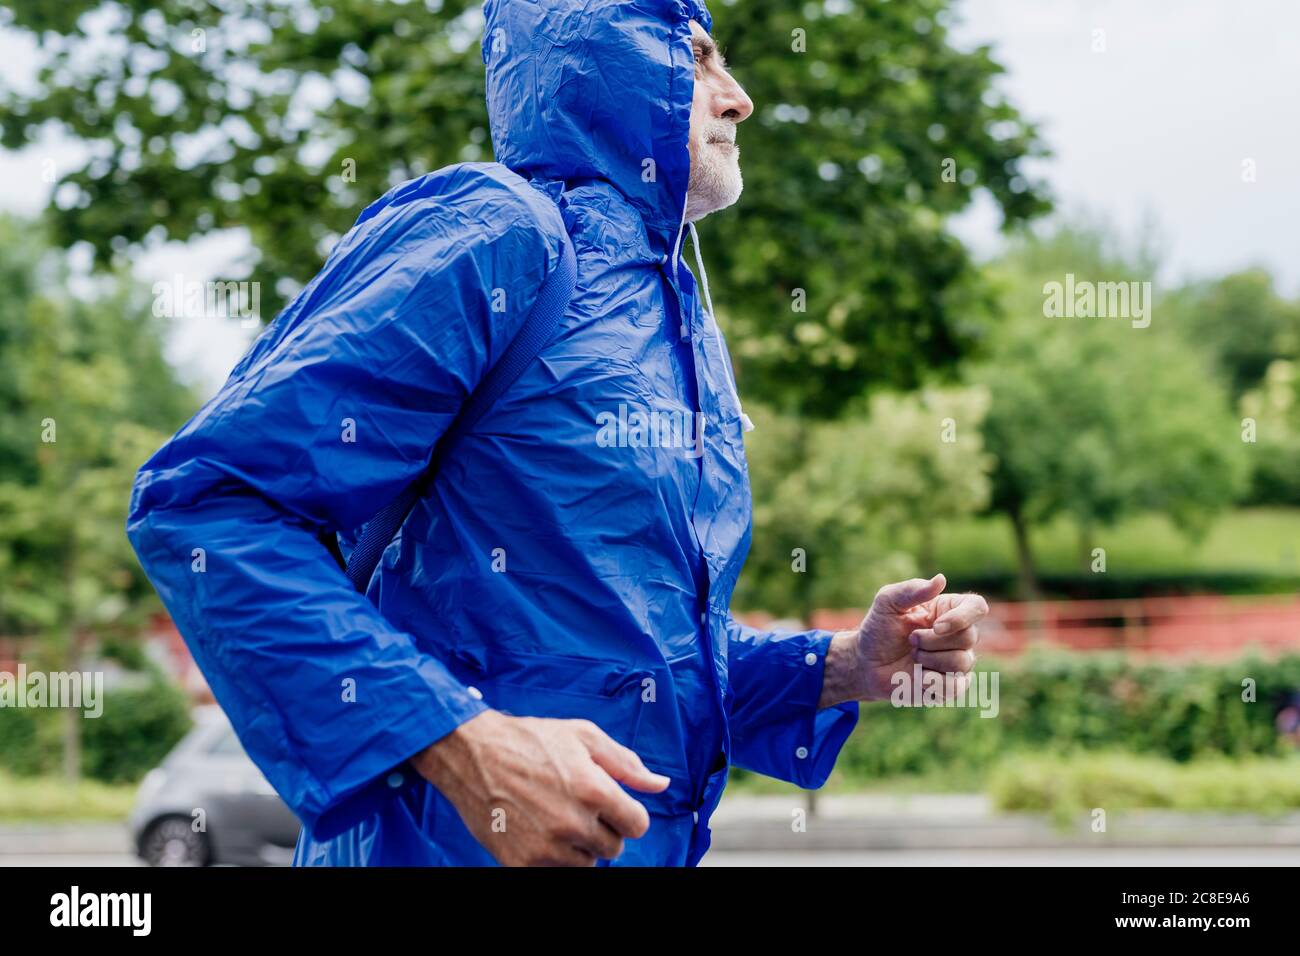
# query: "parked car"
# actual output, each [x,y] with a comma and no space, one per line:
[207,804]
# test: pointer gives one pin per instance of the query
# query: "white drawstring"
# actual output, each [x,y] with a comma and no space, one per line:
[684,331]
[708,304]
[704,276]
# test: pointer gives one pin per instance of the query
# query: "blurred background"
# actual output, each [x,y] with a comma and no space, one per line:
[917,172]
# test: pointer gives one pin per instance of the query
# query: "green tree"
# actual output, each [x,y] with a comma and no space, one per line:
[1250,336]
[86,397]
[1243,323]
[927,463]
[863,508]
[1271,411]
[814,544]
[284,117]
[1096,419]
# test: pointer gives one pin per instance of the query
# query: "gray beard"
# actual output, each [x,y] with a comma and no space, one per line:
[714,184]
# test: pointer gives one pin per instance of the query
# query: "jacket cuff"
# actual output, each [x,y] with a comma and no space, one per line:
[789,738]
[379,772]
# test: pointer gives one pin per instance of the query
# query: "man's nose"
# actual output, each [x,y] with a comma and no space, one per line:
[732,102]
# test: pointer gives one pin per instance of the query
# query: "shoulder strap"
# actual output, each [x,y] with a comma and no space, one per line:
[549,307]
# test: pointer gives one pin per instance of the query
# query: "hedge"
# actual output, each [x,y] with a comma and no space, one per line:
[135,731]
[1061,701]
[1069,787]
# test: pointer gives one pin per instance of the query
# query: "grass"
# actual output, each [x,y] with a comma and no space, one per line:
[1064,787]
[1248,540]
[1068,787]
[51,799]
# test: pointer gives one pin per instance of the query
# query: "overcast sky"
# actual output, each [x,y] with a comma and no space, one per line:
[1154,129]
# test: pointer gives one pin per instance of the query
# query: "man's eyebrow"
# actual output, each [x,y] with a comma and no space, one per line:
[707,48]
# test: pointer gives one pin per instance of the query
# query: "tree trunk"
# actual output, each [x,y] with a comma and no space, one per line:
[1085,546]
[72,745]
[72,718]
[1027,578]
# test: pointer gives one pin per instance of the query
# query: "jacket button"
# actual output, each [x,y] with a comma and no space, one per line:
[478,694]
[810,658]
[395,780]
[802,753]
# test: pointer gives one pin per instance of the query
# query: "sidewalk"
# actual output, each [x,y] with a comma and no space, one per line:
[967,821]
[60,839]
[846,823]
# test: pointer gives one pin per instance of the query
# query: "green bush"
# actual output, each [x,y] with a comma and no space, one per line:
[21,747]
[135,731]
[1068,787]
[1064,702]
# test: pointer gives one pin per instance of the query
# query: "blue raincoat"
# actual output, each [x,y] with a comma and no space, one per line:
[576,554]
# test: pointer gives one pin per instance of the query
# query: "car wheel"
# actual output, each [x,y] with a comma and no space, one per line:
[172,841]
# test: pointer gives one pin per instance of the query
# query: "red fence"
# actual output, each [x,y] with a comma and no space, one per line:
[1201,626]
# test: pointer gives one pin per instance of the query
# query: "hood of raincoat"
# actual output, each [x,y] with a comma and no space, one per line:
[597,91]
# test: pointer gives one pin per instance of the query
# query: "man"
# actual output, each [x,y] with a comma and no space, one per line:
[552,620]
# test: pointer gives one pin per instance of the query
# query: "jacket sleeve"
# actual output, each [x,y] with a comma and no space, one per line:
[327,418]
[776,728]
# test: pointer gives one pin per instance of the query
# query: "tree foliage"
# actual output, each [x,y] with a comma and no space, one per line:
[85,397]
[1244,324]
[1094,418]
[843,507]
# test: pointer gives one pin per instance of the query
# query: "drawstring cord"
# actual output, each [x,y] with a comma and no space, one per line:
[704,276]
[708,304]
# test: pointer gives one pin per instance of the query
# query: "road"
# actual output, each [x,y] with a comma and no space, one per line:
[1126,856]
[1129,856]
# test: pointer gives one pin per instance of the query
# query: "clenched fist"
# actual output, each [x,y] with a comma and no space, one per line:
[911,622]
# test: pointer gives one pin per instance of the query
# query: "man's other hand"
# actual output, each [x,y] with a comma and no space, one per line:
[538,792]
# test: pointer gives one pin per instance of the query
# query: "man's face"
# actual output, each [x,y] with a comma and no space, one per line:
[719,105]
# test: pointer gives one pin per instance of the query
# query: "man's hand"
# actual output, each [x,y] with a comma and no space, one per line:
[911,622]
[538,792]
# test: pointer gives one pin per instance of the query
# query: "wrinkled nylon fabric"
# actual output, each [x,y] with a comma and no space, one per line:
[564,563]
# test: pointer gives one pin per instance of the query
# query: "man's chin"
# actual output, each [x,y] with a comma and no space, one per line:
[731,197]
[715,201]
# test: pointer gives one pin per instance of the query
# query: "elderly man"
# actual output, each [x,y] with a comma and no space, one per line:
[543,667]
